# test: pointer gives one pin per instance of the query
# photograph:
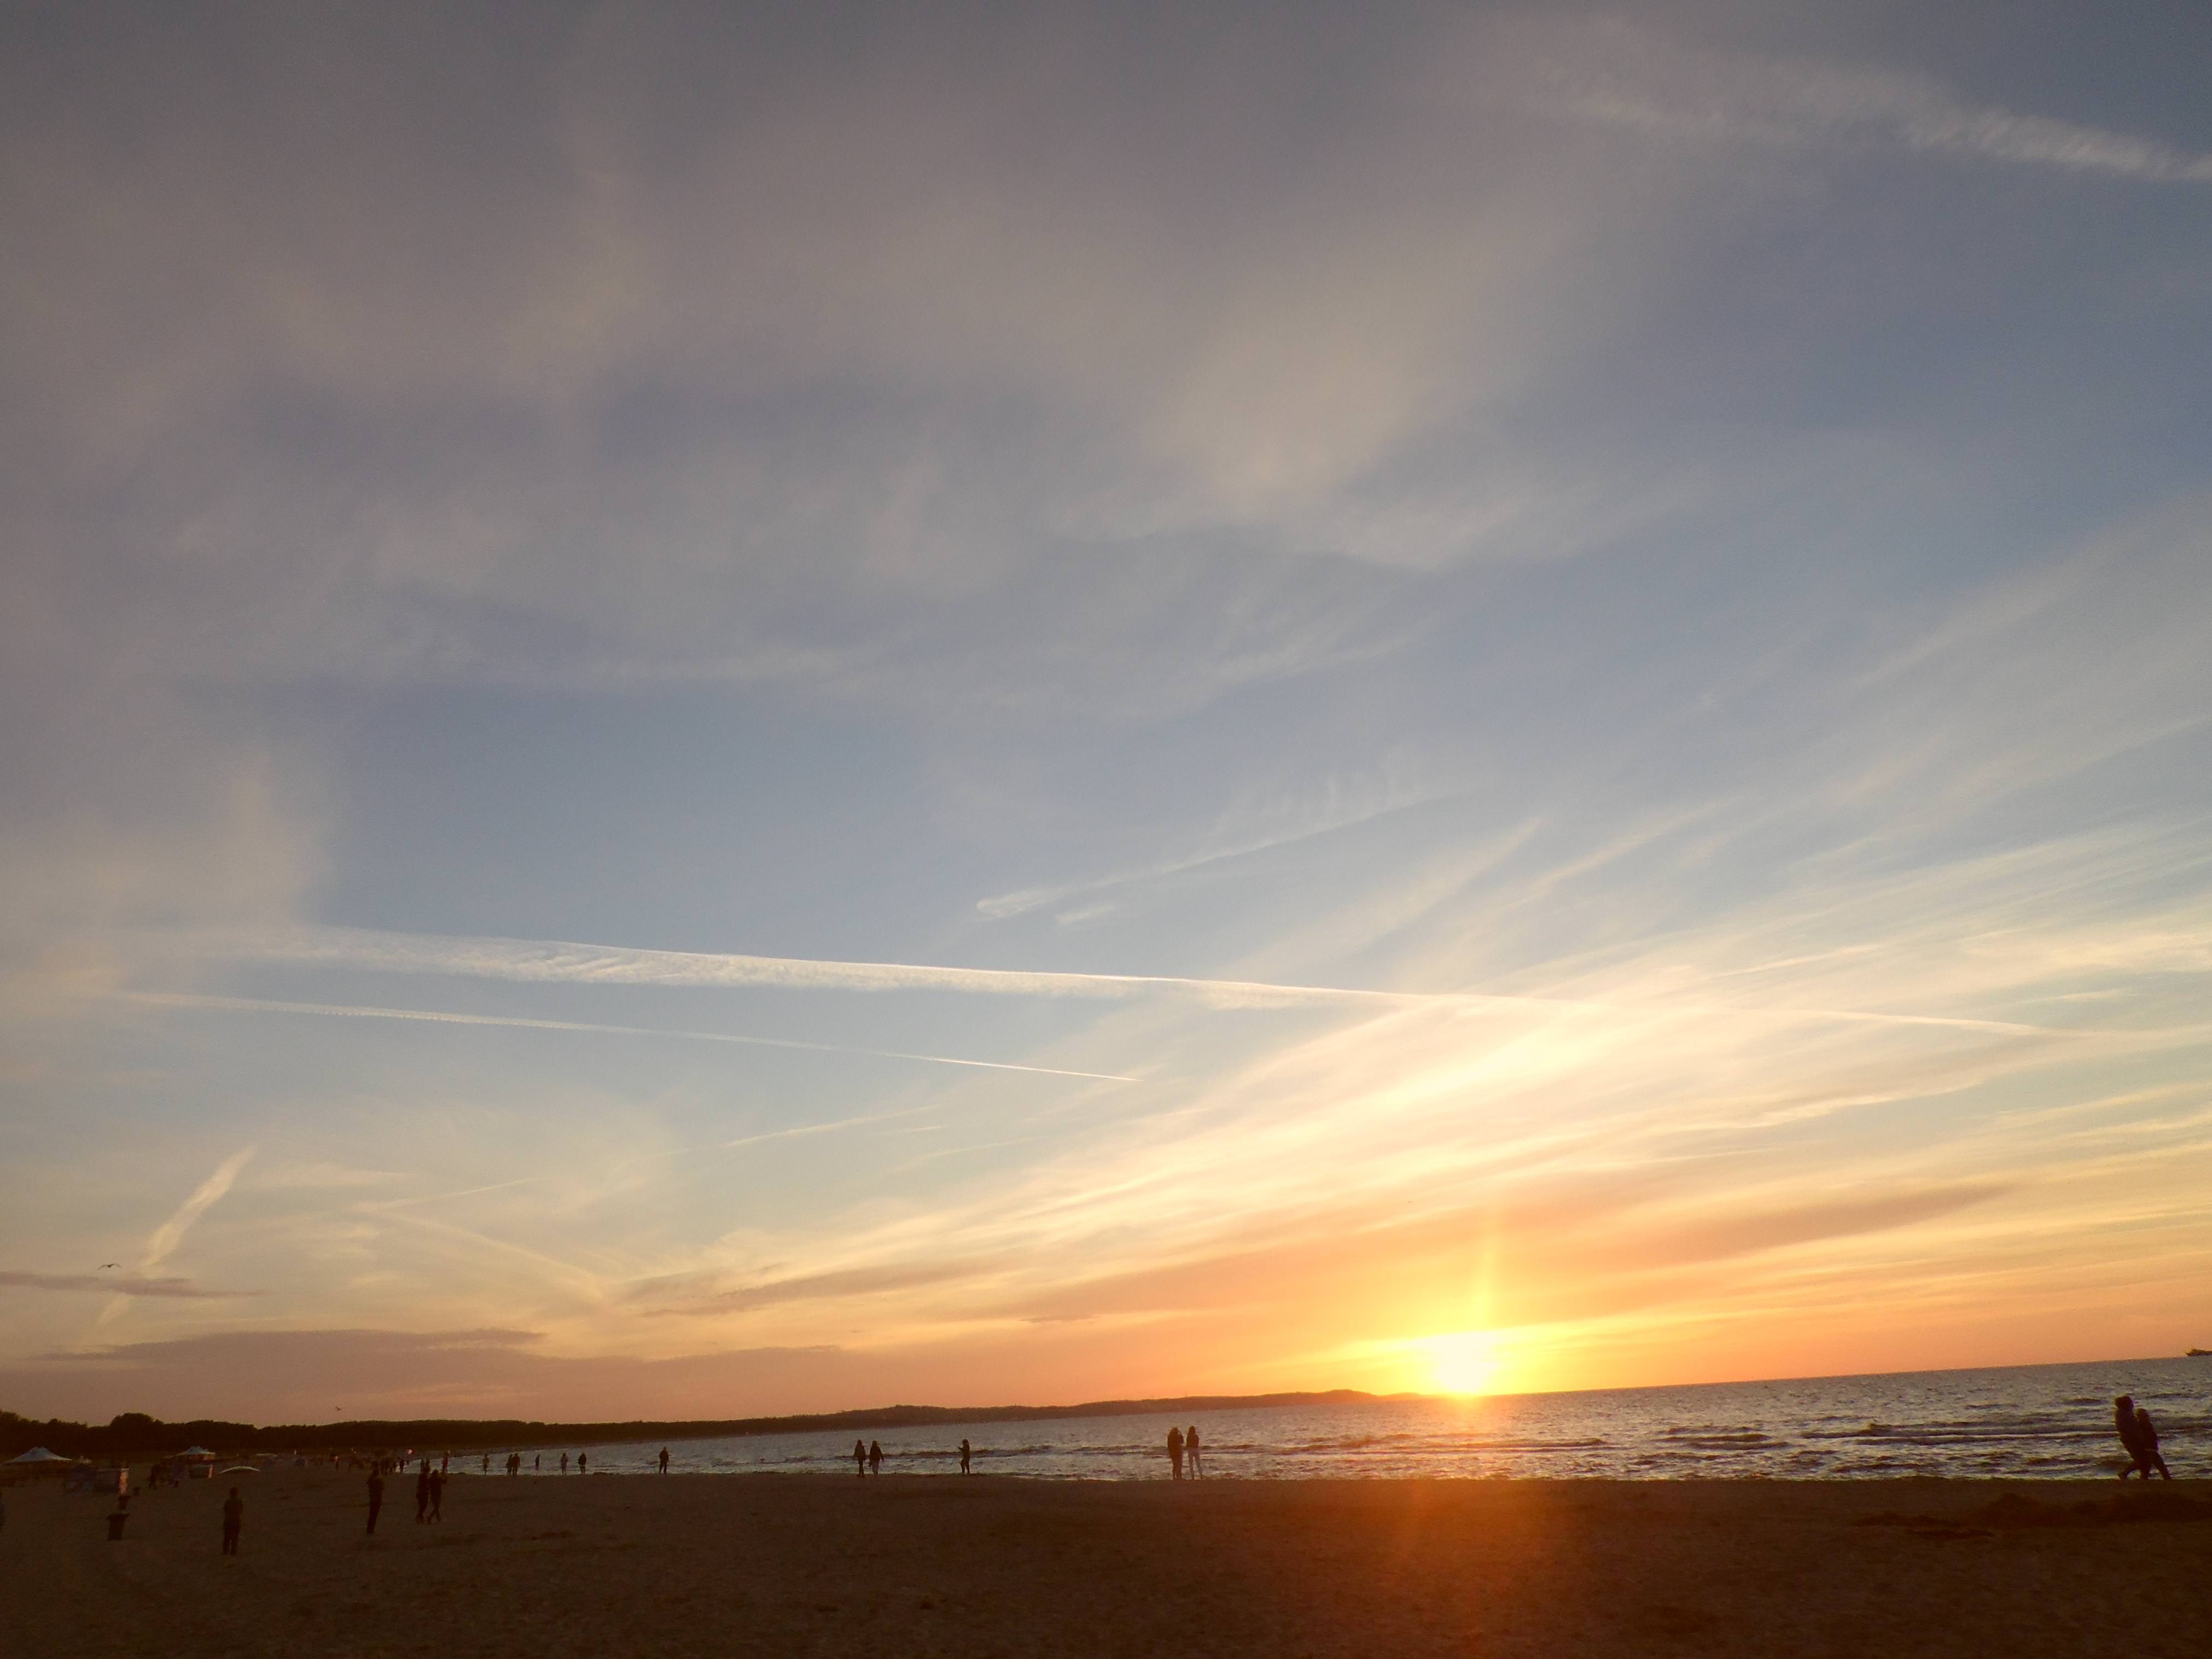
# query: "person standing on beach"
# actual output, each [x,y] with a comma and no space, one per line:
[564,1462]
[234,1514]
[1175,1450]
[964,1455]
[2146,1446]
[375,1498]
[861,1458]
[663,1460]
[1190,1452]
[423,1493]
[875,1457]
[438,1497]
[583,1462]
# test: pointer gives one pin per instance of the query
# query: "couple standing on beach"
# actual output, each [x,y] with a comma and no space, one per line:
[2138,1438]
[1183,1447]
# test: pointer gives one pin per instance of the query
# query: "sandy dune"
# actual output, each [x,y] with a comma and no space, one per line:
[615,1565]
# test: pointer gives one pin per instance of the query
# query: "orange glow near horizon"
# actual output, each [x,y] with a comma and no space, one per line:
[1463,1363]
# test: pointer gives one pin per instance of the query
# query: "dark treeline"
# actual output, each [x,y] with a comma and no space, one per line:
[135,1435]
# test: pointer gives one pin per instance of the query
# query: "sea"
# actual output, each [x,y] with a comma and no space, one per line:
[2037,1421]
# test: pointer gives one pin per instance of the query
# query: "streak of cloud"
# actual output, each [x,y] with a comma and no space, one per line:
[165,1238]
[999,906]
[170,1233]
[563,962]
[120,1285]
[435,1017]
[1617,73]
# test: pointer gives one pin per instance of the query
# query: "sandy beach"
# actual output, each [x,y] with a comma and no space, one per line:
[782,1565]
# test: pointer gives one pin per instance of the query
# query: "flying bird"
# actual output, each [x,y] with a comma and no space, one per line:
[105,1265]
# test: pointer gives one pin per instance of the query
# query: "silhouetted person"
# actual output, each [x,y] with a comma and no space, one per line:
[487,1462]
[861,1458]
[438,1497]
[663,1460]
[423,1493]
[446,1464]
[875,1457]
[964,1455]
[2123,1422]
[1175,1450]
[538,1464]
[2146,1446]
[564,1462]
[375,1498]
[1190,1451]
[233,1513]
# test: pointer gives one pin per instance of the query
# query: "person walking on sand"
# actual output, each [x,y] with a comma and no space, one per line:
[375,1498]
[1175,1450]
[438,1497]
[965,1455]
[2124,1421]
[861,1458]
[2146,1446]
[663,1460]
[233,1513]
[423,1493]
[1190,1452]
[875,1457]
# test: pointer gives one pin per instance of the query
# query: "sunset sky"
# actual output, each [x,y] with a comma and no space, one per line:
[724,708]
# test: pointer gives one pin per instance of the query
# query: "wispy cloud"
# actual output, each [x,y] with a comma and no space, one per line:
[1618,73]
[1334,815]
[170,1233]
[562,962]
[120,1285]
[163,1242]
[435,1017]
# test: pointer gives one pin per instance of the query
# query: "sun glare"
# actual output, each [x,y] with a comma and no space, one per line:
[1462,1362]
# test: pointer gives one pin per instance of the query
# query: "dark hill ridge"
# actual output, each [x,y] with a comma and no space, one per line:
[136,1435]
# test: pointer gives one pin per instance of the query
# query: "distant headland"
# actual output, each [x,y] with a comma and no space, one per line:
[135,1433]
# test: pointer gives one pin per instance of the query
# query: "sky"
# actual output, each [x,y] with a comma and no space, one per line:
[716,710]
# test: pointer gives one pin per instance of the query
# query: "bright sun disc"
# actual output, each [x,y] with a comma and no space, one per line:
[1461,1363]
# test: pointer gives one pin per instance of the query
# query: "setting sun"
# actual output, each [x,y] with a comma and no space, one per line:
[1461,1362]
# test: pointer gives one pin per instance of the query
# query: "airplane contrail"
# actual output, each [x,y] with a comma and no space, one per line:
[564,962]
[440,1017]
[162,1244]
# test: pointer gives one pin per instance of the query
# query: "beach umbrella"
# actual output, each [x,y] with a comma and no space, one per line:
[40,1454]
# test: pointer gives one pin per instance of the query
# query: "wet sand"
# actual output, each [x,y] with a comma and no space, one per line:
[620,1564]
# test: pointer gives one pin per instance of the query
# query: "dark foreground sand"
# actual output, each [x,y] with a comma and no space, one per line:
[617,1565]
